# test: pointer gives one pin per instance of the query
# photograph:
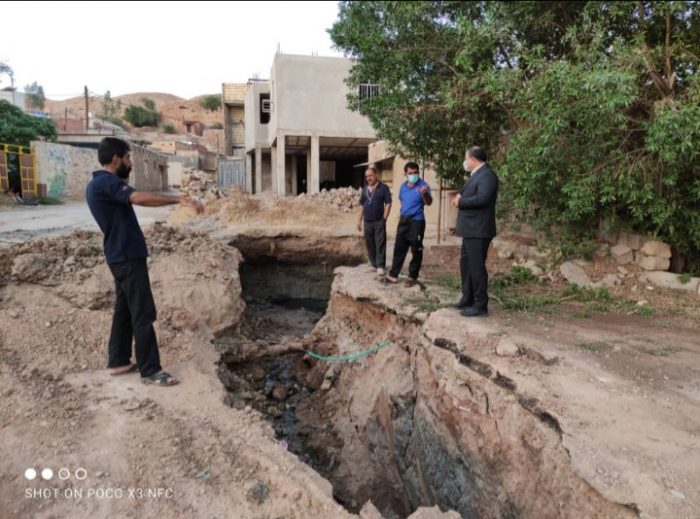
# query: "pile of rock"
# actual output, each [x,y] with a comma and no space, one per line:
[198,183]
[347,199]
[647,253]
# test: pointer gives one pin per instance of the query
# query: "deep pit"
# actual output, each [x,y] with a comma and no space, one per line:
[385,428]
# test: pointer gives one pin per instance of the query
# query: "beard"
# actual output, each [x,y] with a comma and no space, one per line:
[123,171]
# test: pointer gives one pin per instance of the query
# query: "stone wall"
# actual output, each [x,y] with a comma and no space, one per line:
[63,171]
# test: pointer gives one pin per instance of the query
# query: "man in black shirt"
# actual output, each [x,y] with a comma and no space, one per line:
[375,204]
[110,200]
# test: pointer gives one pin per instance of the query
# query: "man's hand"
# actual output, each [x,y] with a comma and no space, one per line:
[359,225]
[423,190]
[455,200]
[186,201]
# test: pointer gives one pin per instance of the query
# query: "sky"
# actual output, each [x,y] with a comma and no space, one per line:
[181,48]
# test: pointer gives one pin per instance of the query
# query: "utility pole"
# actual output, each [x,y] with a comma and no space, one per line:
[87,114]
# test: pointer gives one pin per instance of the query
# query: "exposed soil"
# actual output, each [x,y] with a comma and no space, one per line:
[523,414]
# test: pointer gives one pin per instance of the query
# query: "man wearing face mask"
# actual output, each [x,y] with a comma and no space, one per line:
[476,224]
[110,199]
[414,195]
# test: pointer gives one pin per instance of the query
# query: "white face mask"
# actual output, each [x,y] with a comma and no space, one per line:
[465,165]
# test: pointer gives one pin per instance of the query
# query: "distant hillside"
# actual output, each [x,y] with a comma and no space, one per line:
[76,105]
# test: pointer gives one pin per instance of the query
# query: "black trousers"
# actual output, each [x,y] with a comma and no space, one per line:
[409,234]
[472,266]
[134,315]
[375,239]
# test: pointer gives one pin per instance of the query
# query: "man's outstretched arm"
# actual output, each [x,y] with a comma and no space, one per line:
[148,199]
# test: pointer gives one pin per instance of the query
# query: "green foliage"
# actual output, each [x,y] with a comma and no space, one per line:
[47,200]
[148,103]
[36,99]
[16,127]
[595,346]
[643,311]
[113,119]
[145,115]
[516,276]
[587,112]
[109,108]
[211,103]
[451,281]
[169,128]
[7,70]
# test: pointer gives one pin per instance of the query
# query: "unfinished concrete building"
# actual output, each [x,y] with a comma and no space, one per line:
[233,97]
[300,135]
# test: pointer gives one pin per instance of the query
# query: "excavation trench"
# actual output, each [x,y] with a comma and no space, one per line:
[415,424]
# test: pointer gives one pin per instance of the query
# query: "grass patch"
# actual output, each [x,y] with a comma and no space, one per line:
[663,324]
[47,200]
[664,351]
[643,311]
[685,278]
[595,346]
[425,304]
[451,281]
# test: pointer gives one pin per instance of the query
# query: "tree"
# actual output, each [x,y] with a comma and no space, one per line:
[7,70]
[589,109]
[109,109]
[145,115]
[149,103]
[35,96]
[16,127]
[211,102]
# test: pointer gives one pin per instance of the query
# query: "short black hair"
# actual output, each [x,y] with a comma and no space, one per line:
[477,152]
[410,165]
[109,147]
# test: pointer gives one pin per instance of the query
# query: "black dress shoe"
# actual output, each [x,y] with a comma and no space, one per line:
[472,311]
[461,304]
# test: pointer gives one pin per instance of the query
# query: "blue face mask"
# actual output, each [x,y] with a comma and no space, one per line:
[413,179]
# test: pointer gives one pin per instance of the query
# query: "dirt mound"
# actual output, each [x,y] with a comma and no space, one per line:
[269,211]
[194,279]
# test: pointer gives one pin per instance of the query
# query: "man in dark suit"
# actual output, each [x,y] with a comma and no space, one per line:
[476,224]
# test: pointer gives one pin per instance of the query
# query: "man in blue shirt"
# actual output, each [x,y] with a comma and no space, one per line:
[414,195]
[375,204]
[110,200]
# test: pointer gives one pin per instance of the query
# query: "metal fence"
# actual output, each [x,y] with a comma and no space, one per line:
[230,171]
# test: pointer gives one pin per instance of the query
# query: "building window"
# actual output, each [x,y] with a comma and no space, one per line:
[265,108]
[368,90]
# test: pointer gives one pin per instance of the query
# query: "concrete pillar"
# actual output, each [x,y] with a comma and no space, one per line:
[294,174]
[273,169]
[258,170]
[248,173]
[281,167]
[313,178]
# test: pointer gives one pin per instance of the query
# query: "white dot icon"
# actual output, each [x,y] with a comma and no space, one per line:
[30,474]
[80,473]
[64,473]
[47,474]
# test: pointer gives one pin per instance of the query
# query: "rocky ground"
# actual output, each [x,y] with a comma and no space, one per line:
[569,405]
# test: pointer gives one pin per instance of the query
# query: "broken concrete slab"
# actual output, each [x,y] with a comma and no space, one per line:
[669,280]
[507,348]
[575,274]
